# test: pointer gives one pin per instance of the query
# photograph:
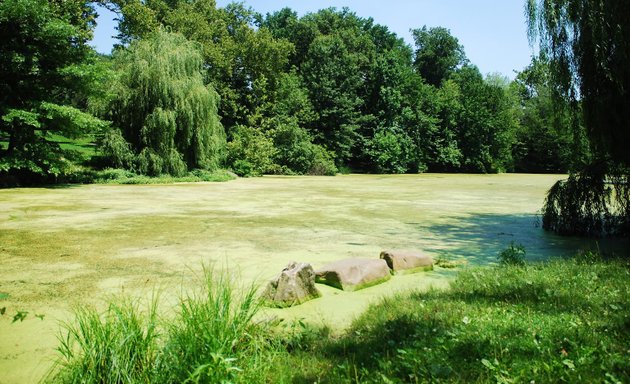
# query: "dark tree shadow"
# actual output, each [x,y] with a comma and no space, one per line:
[480,238]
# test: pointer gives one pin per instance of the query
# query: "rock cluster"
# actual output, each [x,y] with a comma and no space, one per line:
[296,283]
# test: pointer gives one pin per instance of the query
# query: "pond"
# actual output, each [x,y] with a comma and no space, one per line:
[63,247]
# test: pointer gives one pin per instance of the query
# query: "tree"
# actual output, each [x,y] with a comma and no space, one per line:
[332,76]
[588,44]
[239,54]
[438,54]
[45,64]
[164,110]
[485,125]
[551,137]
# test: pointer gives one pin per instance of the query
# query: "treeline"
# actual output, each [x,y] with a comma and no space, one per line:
[193,86]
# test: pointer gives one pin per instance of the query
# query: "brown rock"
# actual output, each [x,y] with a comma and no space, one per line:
[353,274]
[293,286]
[407,261]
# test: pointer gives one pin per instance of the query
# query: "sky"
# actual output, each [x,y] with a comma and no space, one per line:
[493,32]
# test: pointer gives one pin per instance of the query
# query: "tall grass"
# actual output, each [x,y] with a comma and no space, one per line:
[209,341]
[119,346]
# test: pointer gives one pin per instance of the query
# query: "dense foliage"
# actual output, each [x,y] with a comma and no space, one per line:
[326,92]
[167,116]
[588,47]
[45,69]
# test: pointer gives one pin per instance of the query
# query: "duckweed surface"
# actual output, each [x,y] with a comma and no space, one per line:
[67,246]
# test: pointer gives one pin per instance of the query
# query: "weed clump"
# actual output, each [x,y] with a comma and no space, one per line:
[209,341]
[514,254]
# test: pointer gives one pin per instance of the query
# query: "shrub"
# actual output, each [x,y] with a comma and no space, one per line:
[514,254]
[296,151]
[390,151]
[251,152]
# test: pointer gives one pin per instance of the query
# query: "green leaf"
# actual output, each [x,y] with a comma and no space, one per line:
[22,117]
[569,364]
[488,364]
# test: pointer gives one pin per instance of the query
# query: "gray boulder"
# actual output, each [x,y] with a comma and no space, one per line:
[293,286]
[407,261]
[353,274]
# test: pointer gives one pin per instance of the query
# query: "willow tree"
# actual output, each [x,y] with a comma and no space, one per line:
[588,43]
[166,114]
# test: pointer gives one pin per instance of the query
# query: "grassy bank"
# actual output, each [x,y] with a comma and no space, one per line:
[563,321]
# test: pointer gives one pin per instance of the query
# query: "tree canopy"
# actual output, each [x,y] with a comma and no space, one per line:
[588,47]
[166,113]
[192,85]
[45,67]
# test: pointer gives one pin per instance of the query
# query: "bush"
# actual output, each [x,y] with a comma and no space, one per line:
[296,152]
[390,151]
[513,255]
[122,176]
[251,152]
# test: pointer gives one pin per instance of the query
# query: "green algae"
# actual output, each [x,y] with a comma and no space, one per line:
[62,247]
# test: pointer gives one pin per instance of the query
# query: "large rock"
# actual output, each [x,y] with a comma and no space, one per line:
[407,261]
[294,285]
[353,274]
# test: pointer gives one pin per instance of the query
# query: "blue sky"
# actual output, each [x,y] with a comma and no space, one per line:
[492,32]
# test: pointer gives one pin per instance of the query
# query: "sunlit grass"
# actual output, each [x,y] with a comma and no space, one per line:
[555,322]
[563,321]
[210,339]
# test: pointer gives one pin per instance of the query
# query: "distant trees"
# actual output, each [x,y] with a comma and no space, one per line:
[551,137]
[438,54]
[192,86]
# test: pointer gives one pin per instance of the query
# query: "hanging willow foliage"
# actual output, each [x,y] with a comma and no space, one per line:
[594,202]
[164,110]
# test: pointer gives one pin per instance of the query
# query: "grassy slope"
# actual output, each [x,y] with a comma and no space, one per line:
[558,322]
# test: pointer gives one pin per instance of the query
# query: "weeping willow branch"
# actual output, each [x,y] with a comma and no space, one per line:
[594,202]
[165,112]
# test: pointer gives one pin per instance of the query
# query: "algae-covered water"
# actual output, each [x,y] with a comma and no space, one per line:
[65,247]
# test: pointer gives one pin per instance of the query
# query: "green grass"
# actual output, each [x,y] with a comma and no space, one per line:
[563,321]
[557,322]
[121,176]
[119,346]
[209,340]
[84,147]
